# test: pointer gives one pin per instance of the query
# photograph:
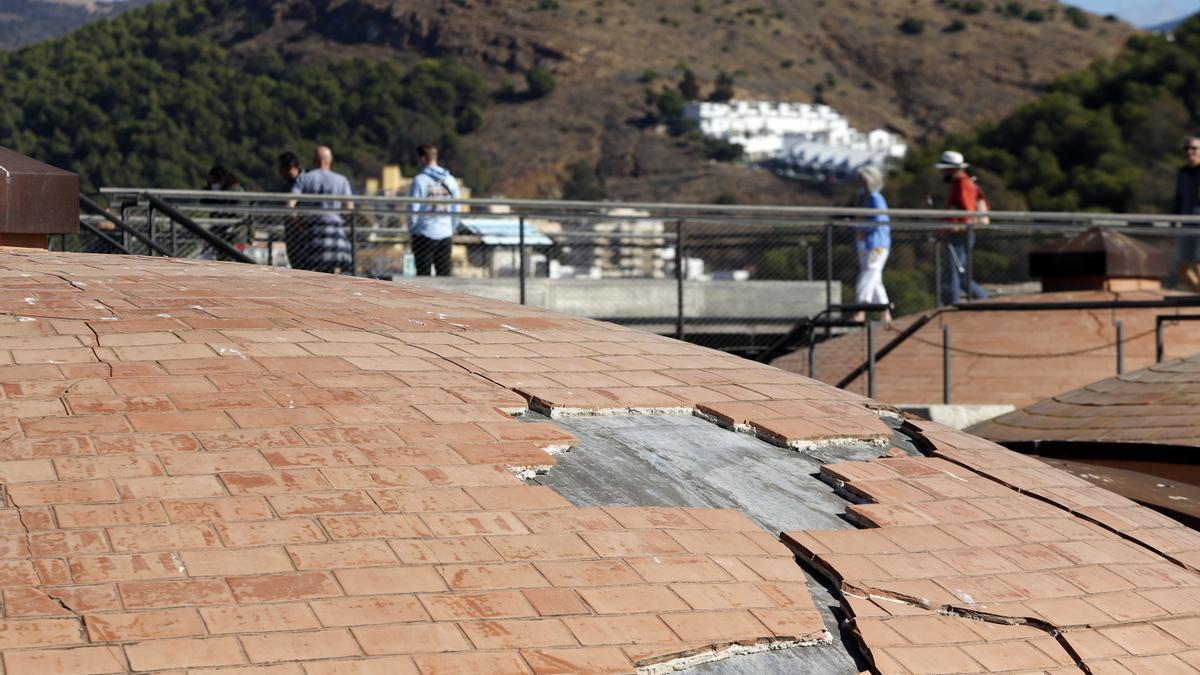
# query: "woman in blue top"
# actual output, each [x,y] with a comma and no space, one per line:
[873,242]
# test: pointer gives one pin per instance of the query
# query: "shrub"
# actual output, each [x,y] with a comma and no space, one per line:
[670,104]
[722,150]
[956,26]
[723,90]
[1014,9]
[1035,16]
[973,7]
[1078,17]
[582,183]
[912,26]
[539,81]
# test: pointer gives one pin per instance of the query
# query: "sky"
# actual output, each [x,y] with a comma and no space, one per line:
[1141,12]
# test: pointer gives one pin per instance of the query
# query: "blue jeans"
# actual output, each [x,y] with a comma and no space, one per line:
[954,268]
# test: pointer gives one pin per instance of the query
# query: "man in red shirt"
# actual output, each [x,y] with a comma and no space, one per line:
[964,195]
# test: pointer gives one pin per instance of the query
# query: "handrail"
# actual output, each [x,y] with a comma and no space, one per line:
[890,346]
[1167,302]
[219,245]
[95,208]
[1159,347]
[785,342]
[97,232]
[676,209]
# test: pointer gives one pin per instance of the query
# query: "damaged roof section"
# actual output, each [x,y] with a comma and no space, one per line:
[214,465]
[976,559]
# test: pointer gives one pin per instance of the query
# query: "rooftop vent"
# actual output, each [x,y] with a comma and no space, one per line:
[1100,258]
[36,200]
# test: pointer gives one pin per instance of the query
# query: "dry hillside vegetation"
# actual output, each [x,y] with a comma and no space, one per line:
[852,55]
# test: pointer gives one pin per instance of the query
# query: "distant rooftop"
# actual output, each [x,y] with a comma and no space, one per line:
[1014,357]
[212,465]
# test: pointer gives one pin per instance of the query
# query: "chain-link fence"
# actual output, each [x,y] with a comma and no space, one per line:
[735,278]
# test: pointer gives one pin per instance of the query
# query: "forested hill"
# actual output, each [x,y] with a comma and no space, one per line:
[150,99]
[1106,138]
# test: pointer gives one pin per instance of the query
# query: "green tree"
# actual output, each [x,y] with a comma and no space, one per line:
[689,87]
[670,104]
[723,89]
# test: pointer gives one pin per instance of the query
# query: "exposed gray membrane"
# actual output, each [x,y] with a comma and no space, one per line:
[686,461]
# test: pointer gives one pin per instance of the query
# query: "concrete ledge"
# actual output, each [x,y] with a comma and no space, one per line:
[650,298]
[958,416]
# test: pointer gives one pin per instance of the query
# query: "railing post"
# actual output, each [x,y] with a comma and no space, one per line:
[125,219]
[1158,339]
[970,259]
[679,277]
[521,266]
[270,250]
[174,246]
[354,245]
[1120,348]
[809,263]
[150,223]
[828,265]
[946,365]
[870,359]
[937,272]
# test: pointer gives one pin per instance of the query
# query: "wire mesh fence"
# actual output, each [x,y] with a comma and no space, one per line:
[733,278]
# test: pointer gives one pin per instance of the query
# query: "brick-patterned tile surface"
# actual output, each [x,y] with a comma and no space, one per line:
[212,465]
[1156,405]
[1013,357]
[977,559]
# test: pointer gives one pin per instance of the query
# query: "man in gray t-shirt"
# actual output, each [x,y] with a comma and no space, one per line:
[317,242]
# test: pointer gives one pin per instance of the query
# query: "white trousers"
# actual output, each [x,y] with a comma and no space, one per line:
[869,287]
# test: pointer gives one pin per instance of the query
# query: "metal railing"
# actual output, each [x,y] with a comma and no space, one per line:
[734,277]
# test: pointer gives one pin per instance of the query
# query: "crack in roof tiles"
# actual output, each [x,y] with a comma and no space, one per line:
[977,559]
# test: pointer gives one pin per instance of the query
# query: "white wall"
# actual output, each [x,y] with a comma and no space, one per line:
[773,130]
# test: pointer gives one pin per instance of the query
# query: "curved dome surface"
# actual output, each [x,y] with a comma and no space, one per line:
[214,466]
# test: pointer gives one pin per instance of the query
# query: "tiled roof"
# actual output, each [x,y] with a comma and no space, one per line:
[217,466]
[1156,405]
[1010,357]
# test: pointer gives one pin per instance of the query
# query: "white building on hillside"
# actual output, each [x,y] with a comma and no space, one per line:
[803,137]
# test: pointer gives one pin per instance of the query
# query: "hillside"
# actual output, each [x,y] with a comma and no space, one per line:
[962,68]
[1104,138]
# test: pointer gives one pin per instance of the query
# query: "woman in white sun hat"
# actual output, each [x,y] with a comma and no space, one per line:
[964,195]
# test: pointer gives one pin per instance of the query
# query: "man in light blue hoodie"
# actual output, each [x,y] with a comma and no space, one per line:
[431,225]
